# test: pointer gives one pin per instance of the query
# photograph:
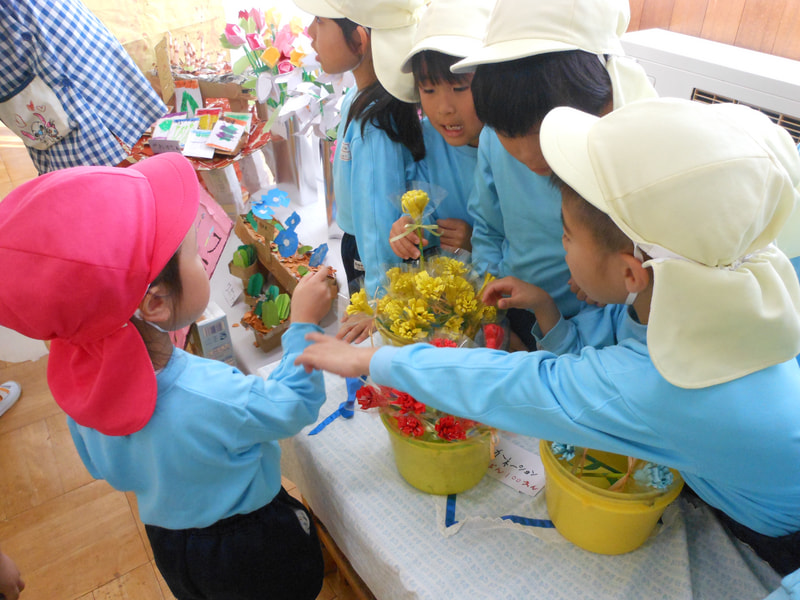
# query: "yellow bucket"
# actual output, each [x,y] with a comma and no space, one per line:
[440,467]
[596,519]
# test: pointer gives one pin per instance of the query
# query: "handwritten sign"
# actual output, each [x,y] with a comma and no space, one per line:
[517,468]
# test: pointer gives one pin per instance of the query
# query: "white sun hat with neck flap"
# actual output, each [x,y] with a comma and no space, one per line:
[522,28]
[704,190]
[392,25]
[452,27]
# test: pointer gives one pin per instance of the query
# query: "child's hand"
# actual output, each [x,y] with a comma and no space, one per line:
[582,295]
[408,246]
[455,234]
[312,298]
[510,292]
[335,356]
[11,583]
[355,328]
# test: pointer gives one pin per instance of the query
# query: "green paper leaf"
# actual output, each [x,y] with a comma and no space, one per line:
[302,270]
[269,314]
[272,292]
[252,220]
[283,303]
[304,249]
[257,309]
[241,65]
[255,284]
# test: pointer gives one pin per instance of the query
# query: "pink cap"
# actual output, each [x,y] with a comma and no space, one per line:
[78,248]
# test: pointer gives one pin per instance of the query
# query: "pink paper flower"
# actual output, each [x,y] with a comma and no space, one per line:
[235,35]
[255,41]
[258,18]
[283,41]
[285,66]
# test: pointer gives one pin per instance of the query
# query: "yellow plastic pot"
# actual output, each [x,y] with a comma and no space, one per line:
[594,518]
[439,467]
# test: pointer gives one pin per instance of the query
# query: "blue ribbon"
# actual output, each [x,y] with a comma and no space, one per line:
[450,517]
[346,408]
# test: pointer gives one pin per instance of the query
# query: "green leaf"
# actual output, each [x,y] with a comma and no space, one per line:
[302,270]
[269,314]
[272,292]
[255,284]
[303,249]
[257,309]
[241,65]
[283,304]
[252,220]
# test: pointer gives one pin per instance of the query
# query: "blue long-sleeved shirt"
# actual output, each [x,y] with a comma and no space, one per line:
[210,450]
[370,174]
[736,444]
[517,224]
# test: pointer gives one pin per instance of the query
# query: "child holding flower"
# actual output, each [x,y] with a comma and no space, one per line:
[676,203]
[448,31]
[537,55]
[379,136]
[193,438]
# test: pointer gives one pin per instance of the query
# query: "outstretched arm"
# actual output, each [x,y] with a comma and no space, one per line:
[335,356]
[510,292]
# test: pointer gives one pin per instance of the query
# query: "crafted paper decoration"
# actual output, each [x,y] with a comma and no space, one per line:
[318,256]
[265,207]
[286,240]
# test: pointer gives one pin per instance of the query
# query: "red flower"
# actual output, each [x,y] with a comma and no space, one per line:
[407,404]
[449,428]
[443,343]
[410,426]
[370,397]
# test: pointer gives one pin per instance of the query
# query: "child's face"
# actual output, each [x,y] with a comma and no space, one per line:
[194,280]
[333,52]
[526,149]
[591,265]
[450,109]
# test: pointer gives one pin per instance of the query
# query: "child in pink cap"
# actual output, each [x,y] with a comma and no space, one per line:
[103,262]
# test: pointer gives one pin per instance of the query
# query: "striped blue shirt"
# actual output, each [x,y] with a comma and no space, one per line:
[104,94]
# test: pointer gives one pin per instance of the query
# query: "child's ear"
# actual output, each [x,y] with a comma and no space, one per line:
[362,39]
[637,276]
[155,306]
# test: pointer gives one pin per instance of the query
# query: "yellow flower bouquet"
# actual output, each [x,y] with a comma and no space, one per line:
[440,298]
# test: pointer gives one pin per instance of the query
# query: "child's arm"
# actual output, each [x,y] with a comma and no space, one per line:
[326,353]
[312,298]
[510,292]
[11,583]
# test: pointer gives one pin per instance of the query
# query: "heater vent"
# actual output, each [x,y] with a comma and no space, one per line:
[791,124]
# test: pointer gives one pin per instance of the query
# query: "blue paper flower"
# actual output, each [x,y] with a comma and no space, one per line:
[287,242]
[318,255]
[565,451]
[657,476]
[265,207]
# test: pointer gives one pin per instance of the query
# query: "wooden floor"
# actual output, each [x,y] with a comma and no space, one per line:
[73,538]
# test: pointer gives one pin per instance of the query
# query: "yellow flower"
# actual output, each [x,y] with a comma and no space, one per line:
[296,58]
[430,287]
[390,308]
[413,203]
[417,309]
[454,325]
[272,17]
[270,56]
[296,25]
[359,303]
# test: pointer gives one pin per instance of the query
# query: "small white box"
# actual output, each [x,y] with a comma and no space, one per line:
[211,337]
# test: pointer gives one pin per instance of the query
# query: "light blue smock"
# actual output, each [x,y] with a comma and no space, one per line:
[210,450]
[736,444]
[370,174]
[517,224]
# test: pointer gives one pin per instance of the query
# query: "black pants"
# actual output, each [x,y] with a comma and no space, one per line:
[353,269]
[273,552]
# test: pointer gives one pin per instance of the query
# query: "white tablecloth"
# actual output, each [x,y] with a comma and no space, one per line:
[395,536]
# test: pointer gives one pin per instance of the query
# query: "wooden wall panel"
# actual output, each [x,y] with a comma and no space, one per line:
[771,26]
[688,16]
[657,14]
[759,24]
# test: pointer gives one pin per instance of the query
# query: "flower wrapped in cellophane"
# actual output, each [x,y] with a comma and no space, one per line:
[440,298]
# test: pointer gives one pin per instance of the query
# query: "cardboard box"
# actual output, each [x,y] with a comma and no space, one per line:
[210,336]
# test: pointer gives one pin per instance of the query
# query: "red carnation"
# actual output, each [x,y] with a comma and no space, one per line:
[449,428]
[410,426]
[443,343]
[407,404]
[369,397]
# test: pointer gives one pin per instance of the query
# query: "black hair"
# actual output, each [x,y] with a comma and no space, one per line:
[397,119]
[513,97]
[430,66]
[604,230]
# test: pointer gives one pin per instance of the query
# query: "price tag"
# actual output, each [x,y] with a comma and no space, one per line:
[517,468]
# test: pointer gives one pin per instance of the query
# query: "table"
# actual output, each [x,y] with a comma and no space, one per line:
[396,540]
